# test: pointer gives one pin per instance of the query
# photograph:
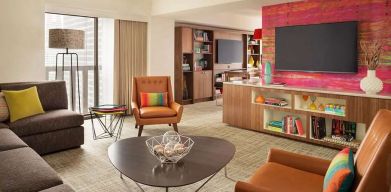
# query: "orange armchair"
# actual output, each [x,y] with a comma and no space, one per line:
[154,115]
[286,171]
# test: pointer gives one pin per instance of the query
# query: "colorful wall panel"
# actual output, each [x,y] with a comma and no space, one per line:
[374,18]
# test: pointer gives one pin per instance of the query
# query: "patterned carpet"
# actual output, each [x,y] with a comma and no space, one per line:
[88,168]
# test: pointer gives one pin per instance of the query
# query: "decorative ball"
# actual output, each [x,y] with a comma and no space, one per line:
[260,99]
[159,149]
[171,137]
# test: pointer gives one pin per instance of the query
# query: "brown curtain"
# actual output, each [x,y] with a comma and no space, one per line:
[130,58]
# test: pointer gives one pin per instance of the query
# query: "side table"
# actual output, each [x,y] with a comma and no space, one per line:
[110,118]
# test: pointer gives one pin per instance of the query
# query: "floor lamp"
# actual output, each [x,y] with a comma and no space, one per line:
[68,39]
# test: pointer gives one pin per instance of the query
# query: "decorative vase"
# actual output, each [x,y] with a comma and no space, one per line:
[268,73]
[371,84]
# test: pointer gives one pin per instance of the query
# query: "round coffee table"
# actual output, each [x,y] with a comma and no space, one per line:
[207,157]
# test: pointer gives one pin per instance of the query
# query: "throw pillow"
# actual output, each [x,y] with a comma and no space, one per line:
[340,174]
[4,113]
[23,103]
[153,99]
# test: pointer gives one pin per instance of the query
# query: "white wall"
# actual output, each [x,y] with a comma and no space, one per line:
[161,34]
[22,40]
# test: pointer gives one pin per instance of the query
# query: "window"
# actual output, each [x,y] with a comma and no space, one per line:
[95,66]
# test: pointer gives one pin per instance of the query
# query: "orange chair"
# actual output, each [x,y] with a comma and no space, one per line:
[286,171]
[159,114]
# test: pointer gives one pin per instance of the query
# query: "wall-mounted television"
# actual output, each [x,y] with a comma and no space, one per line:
[229,51]
[329,47]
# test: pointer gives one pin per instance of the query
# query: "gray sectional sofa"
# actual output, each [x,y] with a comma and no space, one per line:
[21,168]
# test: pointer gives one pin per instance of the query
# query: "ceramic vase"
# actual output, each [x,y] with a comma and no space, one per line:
[268,73]
[371,84]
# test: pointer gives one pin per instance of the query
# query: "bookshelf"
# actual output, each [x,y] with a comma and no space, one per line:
[194,55]
[252,52]
[242,109]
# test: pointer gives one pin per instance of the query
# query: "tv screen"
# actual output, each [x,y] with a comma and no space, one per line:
[229,51]
[330,47]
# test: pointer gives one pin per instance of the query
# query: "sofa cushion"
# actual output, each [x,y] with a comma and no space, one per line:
[4,112]
[59,188]
[154,112]
[8,140]
[47,122]
[53,94]
[271,175]
[23,103]
[24,170]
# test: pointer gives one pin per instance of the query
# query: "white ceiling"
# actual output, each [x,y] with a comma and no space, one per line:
[239,14]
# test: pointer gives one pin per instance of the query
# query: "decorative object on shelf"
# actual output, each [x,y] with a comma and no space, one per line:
[197,50]
[256,64]
[305,97]
[203,63]
[68,39]
[371,84]
[257,34]
[321,107]
[251,61]
[268,72]
[312,105]
[170,147]
[260,99]
[372,53]
[335,109]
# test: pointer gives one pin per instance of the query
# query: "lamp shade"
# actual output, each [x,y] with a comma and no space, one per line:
[66,38]
[257,34]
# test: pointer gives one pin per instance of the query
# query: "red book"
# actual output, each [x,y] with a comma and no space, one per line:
[299,127]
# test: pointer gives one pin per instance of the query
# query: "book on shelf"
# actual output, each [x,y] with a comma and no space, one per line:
[318,127]
[186,67]
[281,102]
[289,124]
[343,130]
[299,127]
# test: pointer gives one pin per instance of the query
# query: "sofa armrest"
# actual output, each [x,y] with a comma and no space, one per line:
[178,108]
[298,161]
[241,186]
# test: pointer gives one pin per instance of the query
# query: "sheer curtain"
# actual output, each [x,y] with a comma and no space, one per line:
[130,58]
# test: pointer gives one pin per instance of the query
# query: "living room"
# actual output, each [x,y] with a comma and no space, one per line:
[195,95]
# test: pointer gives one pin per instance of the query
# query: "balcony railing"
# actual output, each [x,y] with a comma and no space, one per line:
[87,84]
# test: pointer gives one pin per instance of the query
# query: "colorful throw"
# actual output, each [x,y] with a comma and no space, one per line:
[340,174]
[153,99]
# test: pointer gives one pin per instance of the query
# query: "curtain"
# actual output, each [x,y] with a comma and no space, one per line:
[130,58]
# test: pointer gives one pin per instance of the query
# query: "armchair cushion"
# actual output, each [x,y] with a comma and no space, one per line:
[340,175]
[153,99]
[277,177]
[156,112]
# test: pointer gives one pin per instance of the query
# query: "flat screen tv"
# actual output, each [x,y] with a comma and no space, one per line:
[229,51]
[330,47]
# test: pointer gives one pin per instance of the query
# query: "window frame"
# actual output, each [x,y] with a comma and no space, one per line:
[96,58]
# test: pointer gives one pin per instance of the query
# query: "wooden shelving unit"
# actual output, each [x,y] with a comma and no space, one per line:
[194,47]
[241,110]
[252,50]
